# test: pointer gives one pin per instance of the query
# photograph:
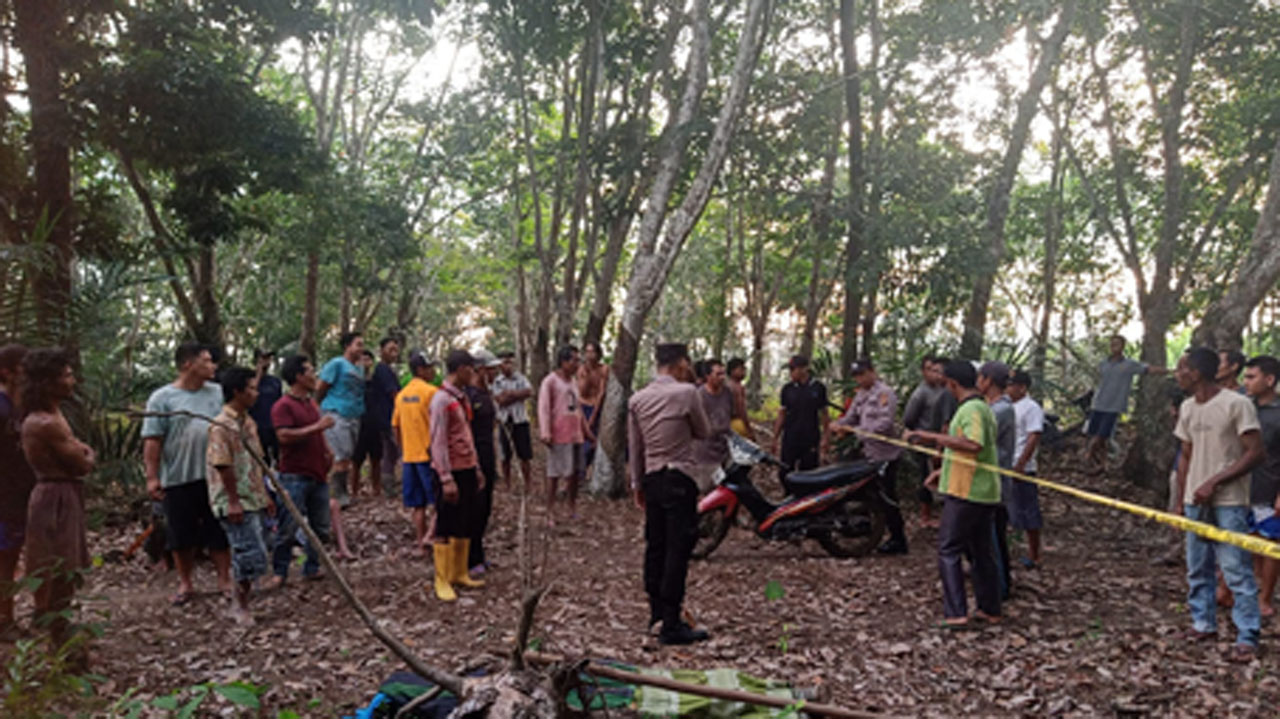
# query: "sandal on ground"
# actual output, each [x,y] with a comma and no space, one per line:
[181,598]
[963,625]
[1242,653]
[980,617]
[1195,635]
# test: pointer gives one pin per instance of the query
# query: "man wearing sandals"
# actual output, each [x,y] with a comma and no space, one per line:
[1221,443]
[174,445]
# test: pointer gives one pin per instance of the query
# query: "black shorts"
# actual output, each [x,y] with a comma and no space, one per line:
[518,433]
[190,521]
[457,519]
[368,444]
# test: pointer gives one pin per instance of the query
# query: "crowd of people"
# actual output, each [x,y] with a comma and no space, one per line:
[207,446]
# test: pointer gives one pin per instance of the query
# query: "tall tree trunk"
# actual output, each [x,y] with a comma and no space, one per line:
[587,77]
[42,35]
[755,392]
[723,321]
[206,296]
[310,306]
[1225,319]
[975,318]
[1052,230]
[819,230]
[662,234]
[869,318]
[1148,458]
[857,179]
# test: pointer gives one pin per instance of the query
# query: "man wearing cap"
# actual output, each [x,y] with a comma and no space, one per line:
[663,420]
[270,389]
[993,377]
[801,427]
[411,423]
[453,457]
[872,410]
[511,390]
[484,412]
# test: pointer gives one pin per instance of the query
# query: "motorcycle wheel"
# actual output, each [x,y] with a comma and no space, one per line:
[712,528]
[843,545]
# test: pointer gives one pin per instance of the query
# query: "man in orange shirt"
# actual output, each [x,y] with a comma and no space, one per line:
[411,423]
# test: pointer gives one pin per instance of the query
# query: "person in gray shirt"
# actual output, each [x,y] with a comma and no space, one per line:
[1111,399]
[924,410]
[993,378]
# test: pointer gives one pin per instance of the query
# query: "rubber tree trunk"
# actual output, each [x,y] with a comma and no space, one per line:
[662,234]
[1148,459]
[1225,319]
[975,318]
[857,180]
[310,306]
[41,34]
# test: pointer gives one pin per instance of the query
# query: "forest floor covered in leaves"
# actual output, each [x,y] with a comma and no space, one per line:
[1095,632]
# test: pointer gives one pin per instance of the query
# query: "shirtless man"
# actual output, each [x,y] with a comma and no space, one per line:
[593,379]
[741,423]
[56,547]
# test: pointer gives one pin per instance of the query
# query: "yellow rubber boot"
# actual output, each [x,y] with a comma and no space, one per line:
[443,555]
[461,577]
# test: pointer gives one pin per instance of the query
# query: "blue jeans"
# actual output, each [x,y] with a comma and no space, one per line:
[312,498]
[1237,569]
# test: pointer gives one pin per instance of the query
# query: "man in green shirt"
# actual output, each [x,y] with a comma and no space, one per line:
[971,495]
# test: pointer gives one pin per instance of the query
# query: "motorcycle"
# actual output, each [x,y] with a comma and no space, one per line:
[839,505]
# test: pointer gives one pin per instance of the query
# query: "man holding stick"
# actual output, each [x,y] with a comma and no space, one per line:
[237,494]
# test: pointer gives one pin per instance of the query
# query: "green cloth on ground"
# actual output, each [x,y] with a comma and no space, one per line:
[656,702]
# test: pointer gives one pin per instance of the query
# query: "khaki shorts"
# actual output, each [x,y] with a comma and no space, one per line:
[342,436]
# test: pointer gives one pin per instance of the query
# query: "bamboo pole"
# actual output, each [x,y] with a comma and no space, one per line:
[448,680]
[735,695]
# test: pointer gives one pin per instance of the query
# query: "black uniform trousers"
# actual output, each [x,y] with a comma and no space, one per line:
[670,530]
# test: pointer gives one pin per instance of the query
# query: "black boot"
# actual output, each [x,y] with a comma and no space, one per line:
[894,546]
[680,633]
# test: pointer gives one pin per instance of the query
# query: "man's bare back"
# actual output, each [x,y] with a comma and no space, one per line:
[591,383]
[52,449]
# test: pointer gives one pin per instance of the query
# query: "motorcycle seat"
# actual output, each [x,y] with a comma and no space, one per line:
[811,481]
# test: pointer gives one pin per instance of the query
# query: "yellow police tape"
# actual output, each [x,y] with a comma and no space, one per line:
[1256,545]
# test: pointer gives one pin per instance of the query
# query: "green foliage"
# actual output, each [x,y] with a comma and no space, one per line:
[184,703]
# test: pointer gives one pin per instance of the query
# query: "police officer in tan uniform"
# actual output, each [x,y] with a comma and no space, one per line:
[872,410]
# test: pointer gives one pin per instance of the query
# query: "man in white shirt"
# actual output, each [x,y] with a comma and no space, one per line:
[1021,498]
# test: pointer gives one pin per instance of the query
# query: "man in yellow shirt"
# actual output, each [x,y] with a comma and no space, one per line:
[411,422]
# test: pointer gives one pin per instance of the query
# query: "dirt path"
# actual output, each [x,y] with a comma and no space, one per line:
[1097,628]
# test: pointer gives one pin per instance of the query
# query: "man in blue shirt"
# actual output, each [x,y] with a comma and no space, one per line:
[341,395]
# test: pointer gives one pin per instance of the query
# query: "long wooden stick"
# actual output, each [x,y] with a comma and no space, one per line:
[735,695]
[448,680]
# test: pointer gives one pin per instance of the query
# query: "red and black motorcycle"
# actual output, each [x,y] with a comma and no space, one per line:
[839,505]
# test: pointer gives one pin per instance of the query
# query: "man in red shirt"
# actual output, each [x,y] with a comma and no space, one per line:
[456,465]
[305,460]
[562,427]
